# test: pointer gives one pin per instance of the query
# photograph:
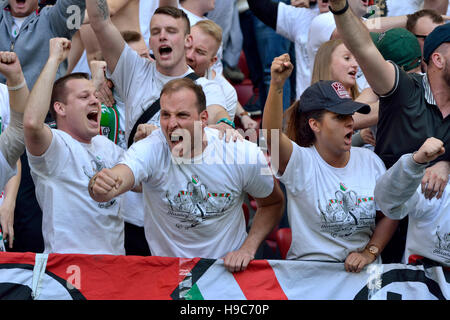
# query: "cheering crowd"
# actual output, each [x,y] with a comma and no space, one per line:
[123,132]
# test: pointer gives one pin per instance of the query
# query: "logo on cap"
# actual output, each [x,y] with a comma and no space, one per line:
[340,90]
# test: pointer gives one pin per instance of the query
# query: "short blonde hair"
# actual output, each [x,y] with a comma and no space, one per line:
[211,28]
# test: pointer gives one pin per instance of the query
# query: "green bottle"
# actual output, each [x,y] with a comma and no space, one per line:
[109,122]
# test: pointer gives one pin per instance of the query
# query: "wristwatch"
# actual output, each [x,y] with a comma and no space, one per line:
[245,113]
[373,249]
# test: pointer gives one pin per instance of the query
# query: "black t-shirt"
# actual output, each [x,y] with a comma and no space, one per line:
[407,119]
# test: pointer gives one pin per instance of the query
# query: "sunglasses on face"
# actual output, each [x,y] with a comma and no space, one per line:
[420,36]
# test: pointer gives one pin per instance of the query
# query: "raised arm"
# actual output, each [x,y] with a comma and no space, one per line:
[440,6]
[12,141]
[396,190]
[362,121]
[277,142]
[17,87]
[114,7]
[379,73]
[38,135]
[266,11]
[382,24]
[108,36]
[169,3]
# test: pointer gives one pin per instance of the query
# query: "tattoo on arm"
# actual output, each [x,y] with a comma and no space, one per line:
[103,8]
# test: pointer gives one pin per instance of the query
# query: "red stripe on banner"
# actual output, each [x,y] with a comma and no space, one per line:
[18,257]
[259,282]
[103,277]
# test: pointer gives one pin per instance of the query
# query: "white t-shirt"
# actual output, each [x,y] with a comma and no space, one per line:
[400,8]
[429,228]
[429,220]
[82,64]
[132,203]
[293,23]
[331,210]
[4,121]
[17,24]
[139,83]
[229,92]
[195,210]
[72,221]
[4,107]
[321,29]
[146,10]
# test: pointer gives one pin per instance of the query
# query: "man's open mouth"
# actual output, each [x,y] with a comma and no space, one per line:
[93,116]
[176,138]
[165,50]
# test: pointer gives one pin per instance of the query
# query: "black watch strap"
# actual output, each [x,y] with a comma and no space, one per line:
[339,12]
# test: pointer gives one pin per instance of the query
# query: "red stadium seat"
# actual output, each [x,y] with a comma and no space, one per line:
[242,65]
[284,238]
[246,213]
[244,89]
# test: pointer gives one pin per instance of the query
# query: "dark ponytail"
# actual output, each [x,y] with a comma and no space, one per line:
[297,124]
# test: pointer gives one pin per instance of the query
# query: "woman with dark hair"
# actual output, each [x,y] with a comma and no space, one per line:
[329,183]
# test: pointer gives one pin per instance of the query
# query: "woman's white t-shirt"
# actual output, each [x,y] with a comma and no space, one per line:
[331,210]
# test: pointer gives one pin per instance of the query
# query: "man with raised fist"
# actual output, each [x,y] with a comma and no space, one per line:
[398,193]
[63,160]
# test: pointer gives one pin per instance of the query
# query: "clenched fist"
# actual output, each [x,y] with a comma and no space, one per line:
[59,49]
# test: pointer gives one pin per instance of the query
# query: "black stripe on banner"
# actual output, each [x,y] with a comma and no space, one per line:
[6,290]
[404,275]
[197,272]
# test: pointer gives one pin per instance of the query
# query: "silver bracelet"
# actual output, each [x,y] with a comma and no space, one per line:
[18,87]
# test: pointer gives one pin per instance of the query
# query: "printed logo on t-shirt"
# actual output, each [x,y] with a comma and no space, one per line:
[197,203]
[347,213]
[97,165]
[442,244]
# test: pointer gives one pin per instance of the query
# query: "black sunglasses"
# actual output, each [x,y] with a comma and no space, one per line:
[421,36]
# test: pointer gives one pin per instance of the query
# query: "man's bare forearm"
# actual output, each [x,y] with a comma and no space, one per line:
[39,99]
[382,24]
[108,36]
[170,3]
[440,6]
[18,98]
[351,29]
[379,73]
[102,9]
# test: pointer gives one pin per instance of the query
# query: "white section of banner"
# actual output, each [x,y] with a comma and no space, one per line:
[307,280]
[219,284]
